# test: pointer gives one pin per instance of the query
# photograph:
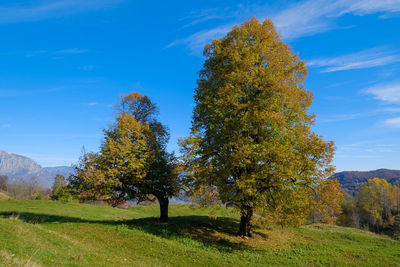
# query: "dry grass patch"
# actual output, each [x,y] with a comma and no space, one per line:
[9,259]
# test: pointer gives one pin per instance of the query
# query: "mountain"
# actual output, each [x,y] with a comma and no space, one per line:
[352,180]
[17,166]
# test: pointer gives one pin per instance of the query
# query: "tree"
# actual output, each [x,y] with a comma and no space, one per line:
[376,201]
[61,191]
[3,182]
[251,133]
[59,183]
[349,216]
[133,161]
[162,177]
[328,201]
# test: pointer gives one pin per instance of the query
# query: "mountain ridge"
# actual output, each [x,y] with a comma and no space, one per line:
[352,180]
[19,166]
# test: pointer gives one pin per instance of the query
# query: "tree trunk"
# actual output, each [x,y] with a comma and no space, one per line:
[245,228]
[164,202]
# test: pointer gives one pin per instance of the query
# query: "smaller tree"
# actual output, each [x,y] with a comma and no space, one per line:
[3,182]
[59,183]
[33,186]
[60,190]
[328,201]
[133,161]
[349,216]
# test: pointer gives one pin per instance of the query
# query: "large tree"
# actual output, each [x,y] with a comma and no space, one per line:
[133,161]
[251,132]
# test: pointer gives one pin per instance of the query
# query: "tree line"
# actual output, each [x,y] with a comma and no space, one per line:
[23,189]
[375,207]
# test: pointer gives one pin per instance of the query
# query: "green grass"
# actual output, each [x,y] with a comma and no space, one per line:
[46,233]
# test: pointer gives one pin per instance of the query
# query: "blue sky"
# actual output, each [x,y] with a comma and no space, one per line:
[64,64]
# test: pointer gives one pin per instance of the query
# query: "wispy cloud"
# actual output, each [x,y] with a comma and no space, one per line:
[72,51]
[316,16]
[197,41]
[24,93]
[344,117]
[57,53]
[88,67]
[368,148]
[358,115]
[388,93]
[393,122]
[293,21]
[35,53]
[369,58]
[201,16]
[23,11]
[93,104]
[5,125]
[365,7]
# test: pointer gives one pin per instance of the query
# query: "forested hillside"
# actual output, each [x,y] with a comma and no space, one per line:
[352,180]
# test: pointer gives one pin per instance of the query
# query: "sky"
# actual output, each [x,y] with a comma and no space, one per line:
[65,63]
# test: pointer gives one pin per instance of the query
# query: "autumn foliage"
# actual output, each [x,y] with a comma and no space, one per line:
[133,162]
[251,132]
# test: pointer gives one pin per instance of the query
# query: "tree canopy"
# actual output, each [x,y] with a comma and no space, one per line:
[133,161]
[251,132]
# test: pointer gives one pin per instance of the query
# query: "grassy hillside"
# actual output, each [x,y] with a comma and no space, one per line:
[3,196]
[44,233]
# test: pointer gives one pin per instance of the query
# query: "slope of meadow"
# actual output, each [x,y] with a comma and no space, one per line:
[3,196]
[45,233]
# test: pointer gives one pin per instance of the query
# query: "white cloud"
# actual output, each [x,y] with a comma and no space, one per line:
[365,7]
[316,16]
[305,18]
[296,20]
[39,10]
[393,123]
[387,93]
[198,40]
[369,58]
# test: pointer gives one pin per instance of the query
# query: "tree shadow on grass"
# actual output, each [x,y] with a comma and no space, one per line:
[204,229]
[211,232]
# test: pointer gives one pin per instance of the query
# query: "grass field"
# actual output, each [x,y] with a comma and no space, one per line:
[3,196]
[46,233]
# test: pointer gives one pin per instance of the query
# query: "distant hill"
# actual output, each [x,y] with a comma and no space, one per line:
[17,166]
[352,180]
